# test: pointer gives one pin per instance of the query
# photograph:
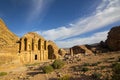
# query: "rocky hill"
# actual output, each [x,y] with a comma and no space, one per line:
[113,39]
[112,43]
[8,39]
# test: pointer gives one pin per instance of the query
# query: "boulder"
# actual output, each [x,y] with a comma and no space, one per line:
[113,39]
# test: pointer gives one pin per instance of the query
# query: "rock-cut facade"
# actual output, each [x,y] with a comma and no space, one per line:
[30,48]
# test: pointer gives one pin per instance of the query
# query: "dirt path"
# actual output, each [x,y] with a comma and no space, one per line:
[40,77]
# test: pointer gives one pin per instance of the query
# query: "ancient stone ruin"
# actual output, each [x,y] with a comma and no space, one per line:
[112,43]
[29,49]
[82,49]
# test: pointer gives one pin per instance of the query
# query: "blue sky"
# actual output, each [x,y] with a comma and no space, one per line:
[67,22]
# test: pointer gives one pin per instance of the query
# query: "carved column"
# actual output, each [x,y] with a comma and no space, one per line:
[71,51]
[22,44]
[35,44]
[45,45]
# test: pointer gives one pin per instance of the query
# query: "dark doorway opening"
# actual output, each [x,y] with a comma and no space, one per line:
[51,54]
[35,57]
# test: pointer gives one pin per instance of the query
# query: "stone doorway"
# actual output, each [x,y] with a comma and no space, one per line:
[51,54]
[36,57]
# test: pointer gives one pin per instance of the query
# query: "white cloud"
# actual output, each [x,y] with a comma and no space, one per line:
[38,9]
[106,13]
[95,38]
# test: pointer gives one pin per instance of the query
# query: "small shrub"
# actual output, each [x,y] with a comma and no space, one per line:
[119,59]
[57,64]
[114,64]
[47,69]
[94,64]
[116,72]
[99,62]
[3,73]
[84,69]
[76,68]
[103,67]
[66,77]
[96,75]
[86,64]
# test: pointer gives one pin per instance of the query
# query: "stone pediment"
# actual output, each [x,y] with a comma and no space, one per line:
[33,35]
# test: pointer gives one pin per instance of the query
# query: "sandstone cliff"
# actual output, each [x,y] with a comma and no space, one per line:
[8,40]
[113,39]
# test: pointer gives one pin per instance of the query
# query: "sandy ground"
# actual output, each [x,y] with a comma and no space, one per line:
[23,73]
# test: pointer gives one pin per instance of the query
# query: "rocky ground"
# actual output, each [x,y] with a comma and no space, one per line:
[78,67]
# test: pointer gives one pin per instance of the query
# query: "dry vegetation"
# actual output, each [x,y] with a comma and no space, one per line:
[97,67]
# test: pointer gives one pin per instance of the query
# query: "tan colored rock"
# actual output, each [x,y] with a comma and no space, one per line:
[62,52]
[8,39]
[30,48]
[87,51]
[80,49]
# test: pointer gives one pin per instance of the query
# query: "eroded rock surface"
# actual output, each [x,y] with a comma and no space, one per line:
[113,39]
[8,39]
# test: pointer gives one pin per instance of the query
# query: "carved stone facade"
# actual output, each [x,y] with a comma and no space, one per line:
[30,48]
[33,48]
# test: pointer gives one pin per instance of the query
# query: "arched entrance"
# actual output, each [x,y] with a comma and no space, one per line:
[51,54]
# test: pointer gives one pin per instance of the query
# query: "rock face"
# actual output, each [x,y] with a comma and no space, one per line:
[30,48]
[113,39]
[8,40]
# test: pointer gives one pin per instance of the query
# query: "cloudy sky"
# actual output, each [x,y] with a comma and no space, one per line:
[67,22]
